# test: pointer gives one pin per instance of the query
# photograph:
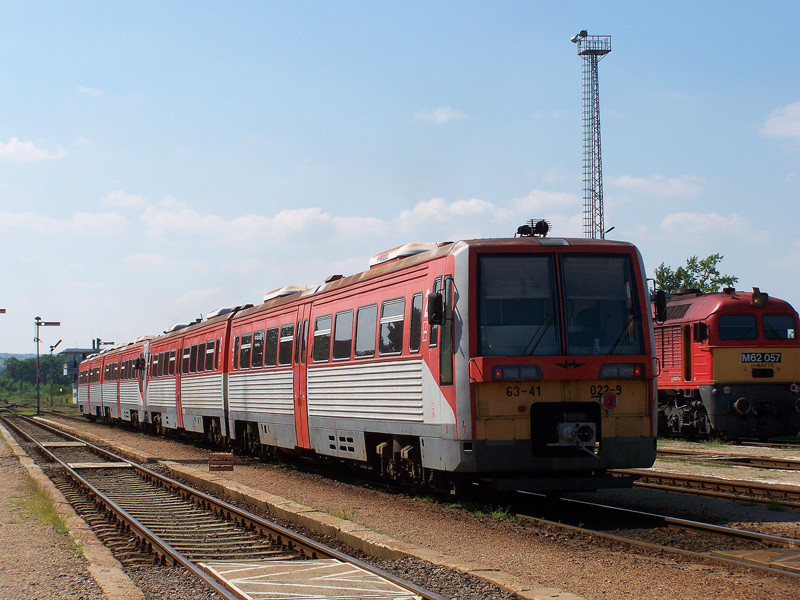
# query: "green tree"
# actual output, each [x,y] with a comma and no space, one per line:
[697,274]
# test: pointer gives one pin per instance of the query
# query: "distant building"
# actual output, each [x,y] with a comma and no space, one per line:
[72,358]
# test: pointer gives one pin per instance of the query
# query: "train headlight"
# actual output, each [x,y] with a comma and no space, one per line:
[797,405]
[794,388]
[742,406]
[727,389]
[617,370]
[501,373]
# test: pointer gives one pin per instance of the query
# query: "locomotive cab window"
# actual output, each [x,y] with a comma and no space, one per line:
[780,327]
[601,305]
[391,332]
[737,327]
[517,313]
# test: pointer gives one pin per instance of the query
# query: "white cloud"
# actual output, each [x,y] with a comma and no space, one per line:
[89,91]
[784,122]
[539,201]
[440,115]
[101,224]
[686,186]
[709,225]
[15,150]
[123,200]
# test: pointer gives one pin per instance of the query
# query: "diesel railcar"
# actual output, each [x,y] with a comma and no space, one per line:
[525,362]
[729,366]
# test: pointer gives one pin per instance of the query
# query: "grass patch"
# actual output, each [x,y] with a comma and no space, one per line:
[38,505]
[774,506]
[346,514]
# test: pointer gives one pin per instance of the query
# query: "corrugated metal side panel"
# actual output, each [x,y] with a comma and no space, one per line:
[269,392]
[129,393]
[389,391]
[161,393]
[203,392]
[83,394]
[95,392]
[110,393]
[668,343]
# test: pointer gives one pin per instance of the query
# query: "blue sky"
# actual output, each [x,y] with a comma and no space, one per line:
[159,160]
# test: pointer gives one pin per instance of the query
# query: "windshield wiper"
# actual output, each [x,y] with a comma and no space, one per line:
[614,348]
[538,335]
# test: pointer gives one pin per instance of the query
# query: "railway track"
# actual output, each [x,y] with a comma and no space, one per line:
[715,487]
[758,462]
[229,550]
[651,531]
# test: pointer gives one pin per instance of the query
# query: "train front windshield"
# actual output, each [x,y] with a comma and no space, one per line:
[527,307]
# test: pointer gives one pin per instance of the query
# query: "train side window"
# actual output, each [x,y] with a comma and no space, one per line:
[415,331]
[366,324]
[433,340]
[244,352]
[302,328]
[172,362]
[271,348]
[258,349]
[157,365]
[343,335]
[236,353]
[446,351]
[217,353]
[210,354]
[285,344]
[390,340]
[186,352]
[193,359]
[201,357]
[321,351]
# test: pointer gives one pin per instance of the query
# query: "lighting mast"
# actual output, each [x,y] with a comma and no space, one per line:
[592,48]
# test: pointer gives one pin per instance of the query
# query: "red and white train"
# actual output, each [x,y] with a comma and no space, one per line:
[525,362]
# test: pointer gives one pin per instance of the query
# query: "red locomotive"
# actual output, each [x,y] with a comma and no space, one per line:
[729,366]
[521,362]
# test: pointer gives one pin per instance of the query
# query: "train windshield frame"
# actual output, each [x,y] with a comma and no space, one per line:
[548,305]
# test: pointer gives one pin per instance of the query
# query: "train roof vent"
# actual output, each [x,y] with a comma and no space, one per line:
[218,312]
[686,291]
[286,290]
[402,252]
[677,311]
[144,338]
[176,327]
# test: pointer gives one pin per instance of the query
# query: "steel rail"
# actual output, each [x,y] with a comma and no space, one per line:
[295,541]
[758,462]
[728,489]
[157,546]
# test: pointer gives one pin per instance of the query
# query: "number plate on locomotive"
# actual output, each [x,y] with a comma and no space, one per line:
[761,357]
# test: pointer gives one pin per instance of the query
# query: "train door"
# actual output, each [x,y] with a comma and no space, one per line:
[300,372]
[686,347]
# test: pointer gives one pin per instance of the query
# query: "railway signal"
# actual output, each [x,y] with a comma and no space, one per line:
[40,323]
